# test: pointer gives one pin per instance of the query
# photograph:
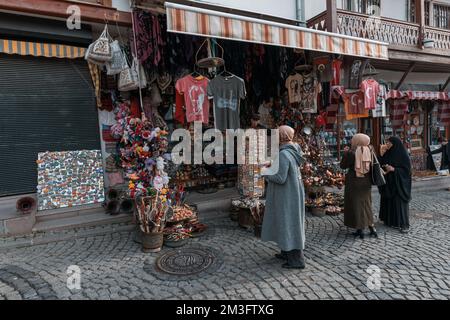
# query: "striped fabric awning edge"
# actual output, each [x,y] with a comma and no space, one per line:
[49,50]
[418,95]
[209,23]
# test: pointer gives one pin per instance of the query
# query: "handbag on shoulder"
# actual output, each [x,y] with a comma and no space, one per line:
[377,172]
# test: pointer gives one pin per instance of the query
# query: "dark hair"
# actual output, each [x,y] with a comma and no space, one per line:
[256,117]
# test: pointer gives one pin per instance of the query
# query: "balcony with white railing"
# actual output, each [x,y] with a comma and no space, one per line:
[106,3]
[426,33]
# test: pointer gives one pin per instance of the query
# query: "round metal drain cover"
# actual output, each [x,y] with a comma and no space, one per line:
[186,261]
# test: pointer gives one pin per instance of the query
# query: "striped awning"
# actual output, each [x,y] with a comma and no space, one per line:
[418,95]
[202,22]
[49,50]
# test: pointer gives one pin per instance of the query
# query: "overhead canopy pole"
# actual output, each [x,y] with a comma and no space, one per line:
[209,23]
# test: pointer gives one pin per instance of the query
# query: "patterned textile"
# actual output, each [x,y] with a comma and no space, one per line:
[418,95]
[444,113]
[95,75]
[149,40]
[398,112]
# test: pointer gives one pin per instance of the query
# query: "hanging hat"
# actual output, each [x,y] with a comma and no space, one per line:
[164,80]
[210,62]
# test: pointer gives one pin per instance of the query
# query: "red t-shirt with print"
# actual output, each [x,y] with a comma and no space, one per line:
[371,90]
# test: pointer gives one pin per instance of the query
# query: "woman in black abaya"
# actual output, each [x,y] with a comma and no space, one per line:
[396,194]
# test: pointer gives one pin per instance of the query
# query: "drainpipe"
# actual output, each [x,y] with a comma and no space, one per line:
[300,12]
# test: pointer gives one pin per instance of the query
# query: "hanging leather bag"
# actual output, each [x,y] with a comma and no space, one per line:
[377,172]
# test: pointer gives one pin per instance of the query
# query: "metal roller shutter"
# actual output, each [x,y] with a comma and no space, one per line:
[45,105]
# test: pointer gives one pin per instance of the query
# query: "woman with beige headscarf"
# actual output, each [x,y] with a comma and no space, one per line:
[284,216]
[358,186]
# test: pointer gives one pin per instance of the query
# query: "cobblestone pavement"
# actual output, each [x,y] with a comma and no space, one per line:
[411,266]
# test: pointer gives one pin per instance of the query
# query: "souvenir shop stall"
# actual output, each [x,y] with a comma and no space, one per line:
[363,104]
[419,119]
[133,106]
[356,103]
[170,74]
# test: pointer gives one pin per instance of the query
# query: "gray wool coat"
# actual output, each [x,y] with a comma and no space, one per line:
[284,216]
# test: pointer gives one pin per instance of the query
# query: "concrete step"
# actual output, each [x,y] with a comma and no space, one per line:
[63,235]
[8,206]
[85,220]
[219,201]
[62,213]
[206,216]
[431,183]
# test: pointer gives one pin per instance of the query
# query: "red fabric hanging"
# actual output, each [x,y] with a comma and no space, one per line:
[337,66]
[135,110]
[180,114]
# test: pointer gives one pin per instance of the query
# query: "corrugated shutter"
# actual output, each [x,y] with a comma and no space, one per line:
[45,105]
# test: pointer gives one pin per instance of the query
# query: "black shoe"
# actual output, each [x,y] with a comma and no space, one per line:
[288,266]
[404,230]
[373,232]
[358,233]
[281,256]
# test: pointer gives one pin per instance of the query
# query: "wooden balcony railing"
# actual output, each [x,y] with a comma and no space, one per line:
[399,34]
[106,3]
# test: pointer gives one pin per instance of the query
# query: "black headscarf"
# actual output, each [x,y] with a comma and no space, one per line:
[399,181]
[397,156]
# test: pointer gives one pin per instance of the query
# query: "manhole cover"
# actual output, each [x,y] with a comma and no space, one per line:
[186,261]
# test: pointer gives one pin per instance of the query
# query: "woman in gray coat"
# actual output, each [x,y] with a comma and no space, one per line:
[284,217]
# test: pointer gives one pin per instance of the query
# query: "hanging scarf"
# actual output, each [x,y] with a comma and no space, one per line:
[363,155]
[143,30]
